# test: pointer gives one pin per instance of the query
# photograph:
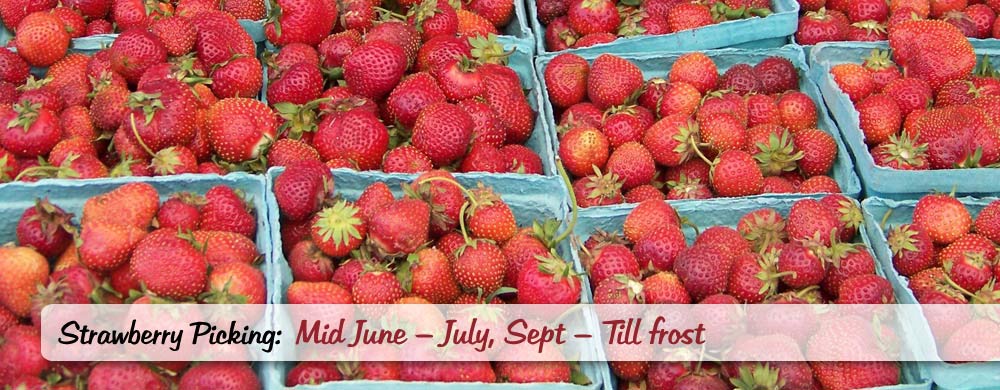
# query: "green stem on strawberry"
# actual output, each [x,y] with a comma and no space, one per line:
[697,150]
[389,14]
[461,222]
[135,132]
[957,287]
[575,208]
[468,194]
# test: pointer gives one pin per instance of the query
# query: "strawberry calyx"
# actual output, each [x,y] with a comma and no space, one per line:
[421,12]
[487,50]
[27,114]
[46,171]
[630,26]
[124,167]
[778,155]
[149,102]
[51,218]
[558,268]
[764,233]
[760,376]
[184,71]
[32,83]
[686,187]
[338,223]
[872,27]
[631,286]
[878,59]
[274,17]
[223,296]
[902,150]
[900,239]
[299,118]
[166,161]
[603,185]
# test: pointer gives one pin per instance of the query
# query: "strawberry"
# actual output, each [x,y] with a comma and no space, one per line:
[15,68]
[943,218]
[819,26]
[912,249]
[219,375]
[647,217]
[967,261]
[309,264]
[622,127]
[798,111]
[910,94]
[448,371]
[521,159]
[220,37]
[553,371]
[479,265]
[598,190]
[116,375]
[664,287]
[411,96]
[643,192]
[400,227]
[776,75]
[593,16]
[135,51]
[751,278]
[41,39]
[735,173]
[848,214]
[880,118]
[811,219]
[726,239]
[27,268]
[168,265]
[376,286]
[582,149]
[612,80]
[762,110]
[442,131]
[235,283]
[696,69]
[312,373]
[318,293]
[489,217]
[619,289]
[432,18]
[374,68]
[988,221]
[132,204]
[502,92]
[162,115]
[983,18]
[224,247]
[549,280]
[299,84]
[820,151]
[855,375]
[430,276]
[800,266]
[483,158]
[819,185]
[44,228]
[566,80]
[301,189]
[703,270]
[854,80]
[357,136]
[30,130]
[877,10]
[406,159]
[372,199]
[763,228]
[668,140]
[900,152]
[740,79]
[845,262]
[304,21]
[397,33]
[498,12]
[238,128]
[685,16]
[225,210]
[633,163]
[609,261]
[337,230]
[585,114]
[931,50]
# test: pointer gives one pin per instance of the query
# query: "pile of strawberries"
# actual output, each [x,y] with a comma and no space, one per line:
[439,244]
[807,256]
[935,113]
[583,23]
[871,20]
[403,98]
[951,258]
[91,17]
[126,248]
[170,100]
[692,135]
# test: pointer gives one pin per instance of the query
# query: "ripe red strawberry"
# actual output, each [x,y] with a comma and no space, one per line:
[854,375]
[819,185]
[612,80]
[819,151]
[845,261]
[459,371]
[133,204]
[224,247]
[811,219]
[751,280]
[798,111]
[877,10]
[643,192]
[763,228]
[480,265]
[967,261]
[397,33]
[648,217]
[439,190]
[696,69]
[598,190]
[556,370]
[169,266]
[312,373]
[943,217]
[135,51]
[411,96]
[442,131]
[376,286]
[357,136]
[432,19]
[318,293]
[609,261]
[932,50]
[988,221]
[162,114]
[44,228]
[776,75]
[523,249]
[664,287]
[566,80]
[179,212]
[502,92]
[548,280]
[593,16]
[622,127]
[238,77]
[583,148]
[431,277]
[374,68]
[116,375]
[439,50]
[406,159]
[219,375]
[301,189]
[910,94]
[687,16]
[521,159]
[304,21]
[819,26]
[848,214]
[912,249]
[704,270]
[225,210]
[633,163]
[287,151]
[735,173]
[309,264]
[235,283]
[41,39]
[668,140]
[30,130]
[854,80]
[15,69]
[741,79]
[238,128]
[483,158]
[800,266]
[489,217]
[401,226]
[337,230]
[900,152]
[299,84]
